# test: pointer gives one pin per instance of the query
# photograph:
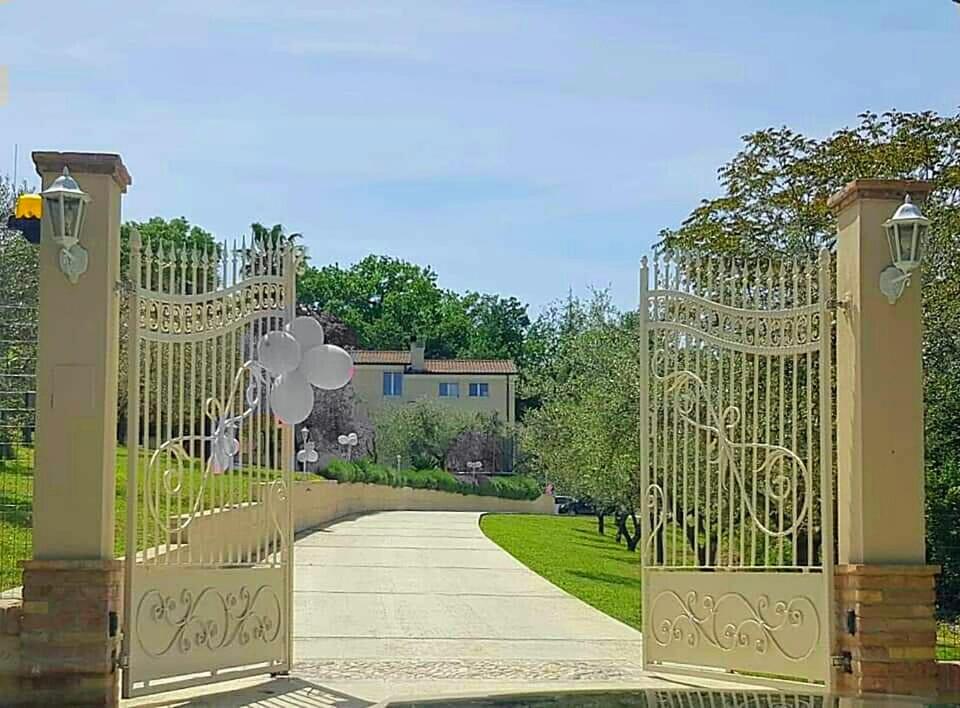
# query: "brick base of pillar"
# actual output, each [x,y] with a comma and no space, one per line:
[69,644]
[892,646]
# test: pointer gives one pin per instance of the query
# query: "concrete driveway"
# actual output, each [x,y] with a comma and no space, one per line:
[407,596]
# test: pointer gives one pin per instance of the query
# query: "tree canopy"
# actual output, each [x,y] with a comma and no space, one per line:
[388,302]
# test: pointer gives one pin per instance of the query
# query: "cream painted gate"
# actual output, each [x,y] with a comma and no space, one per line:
[207,595]
[737,466]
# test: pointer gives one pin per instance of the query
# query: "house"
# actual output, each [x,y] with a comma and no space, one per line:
[383,378]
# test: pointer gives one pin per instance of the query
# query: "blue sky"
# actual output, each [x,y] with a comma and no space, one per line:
[518,147]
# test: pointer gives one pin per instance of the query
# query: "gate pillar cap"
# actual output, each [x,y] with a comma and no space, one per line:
[895,189]
[95,163]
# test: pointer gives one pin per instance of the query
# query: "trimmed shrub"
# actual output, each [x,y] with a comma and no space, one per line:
[367,472]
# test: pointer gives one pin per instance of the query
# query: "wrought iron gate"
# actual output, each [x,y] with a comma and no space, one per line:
[737,466]
[208,585]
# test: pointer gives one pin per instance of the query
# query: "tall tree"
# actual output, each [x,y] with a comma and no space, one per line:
[388,302]
[498,326]
[584,435]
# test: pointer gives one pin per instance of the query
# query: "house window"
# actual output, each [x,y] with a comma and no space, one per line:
[479,390]
[392,383]
[449,390]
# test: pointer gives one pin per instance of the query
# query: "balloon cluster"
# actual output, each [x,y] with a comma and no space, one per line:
[298,359]
[350,439]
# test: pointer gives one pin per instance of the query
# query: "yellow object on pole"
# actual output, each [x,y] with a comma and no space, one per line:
[29,206]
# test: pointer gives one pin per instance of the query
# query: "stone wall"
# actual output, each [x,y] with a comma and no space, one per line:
[11,617]
[892,639]
[61,644]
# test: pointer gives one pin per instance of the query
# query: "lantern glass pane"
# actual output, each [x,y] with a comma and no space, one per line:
[52,207]
[71,217]
[907,241]
[921,241]
[892,241]
[81,215]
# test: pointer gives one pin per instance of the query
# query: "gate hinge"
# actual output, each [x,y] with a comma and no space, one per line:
[123,661]
[843,661]
[851,622]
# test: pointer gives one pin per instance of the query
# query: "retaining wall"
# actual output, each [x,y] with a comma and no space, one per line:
[236,531]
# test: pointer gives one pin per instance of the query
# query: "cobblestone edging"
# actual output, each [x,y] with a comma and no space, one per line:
[474,669]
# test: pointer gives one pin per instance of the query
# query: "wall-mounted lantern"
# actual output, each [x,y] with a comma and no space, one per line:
[65,205]
[906,232]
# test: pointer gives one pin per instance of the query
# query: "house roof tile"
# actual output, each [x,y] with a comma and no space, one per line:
[434,366]
[380,356]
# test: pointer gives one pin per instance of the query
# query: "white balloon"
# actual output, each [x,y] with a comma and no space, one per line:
[291,398]
[352,439]
[279,352]
[307,331]
[343,439]
[327,366]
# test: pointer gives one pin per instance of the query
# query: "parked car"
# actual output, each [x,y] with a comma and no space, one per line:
[575,506]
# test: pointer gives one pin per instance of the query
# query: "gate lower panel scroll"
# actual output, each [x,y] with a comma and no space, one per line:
[738,619]
[737,466]
[220,620]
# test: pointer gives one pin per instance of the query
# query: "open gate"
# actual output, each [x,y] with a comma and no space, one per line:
[737,466]
[208,584]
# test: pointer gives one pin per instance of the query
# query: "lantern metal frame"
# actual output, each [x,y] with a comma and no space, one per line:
[907,227]
[65,189]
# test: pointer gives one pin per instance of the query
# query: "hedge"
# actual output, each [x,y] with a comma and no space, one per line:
[511,487]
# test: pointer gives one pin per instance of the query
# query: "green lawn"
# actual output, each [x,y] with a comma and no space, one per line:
[567,551]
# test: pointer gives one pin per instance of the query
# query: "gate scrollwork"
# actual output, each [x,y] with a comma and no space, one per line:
[211,619]
[731,622]
[780,468]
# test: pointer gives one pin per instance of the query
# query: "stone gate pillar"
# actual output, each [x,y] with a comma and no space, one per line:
[71,589]
[885,592]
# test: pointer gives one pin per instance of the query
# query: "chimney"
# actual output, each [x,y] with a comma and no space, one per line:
[417,355]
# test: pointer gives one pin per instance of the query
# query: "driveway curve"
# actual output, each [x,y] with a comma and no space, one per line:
[407,596]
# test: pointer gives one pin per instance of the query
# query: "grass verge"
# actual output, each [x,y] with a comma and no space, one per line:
[568,551]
